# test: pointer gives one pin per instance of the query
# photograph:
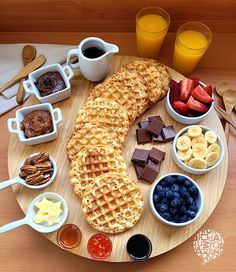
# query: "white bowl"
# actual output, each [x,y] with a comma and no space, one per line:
[44,227]
[21,113]
[187,168]
[66,73]
[163,220]
[185,119]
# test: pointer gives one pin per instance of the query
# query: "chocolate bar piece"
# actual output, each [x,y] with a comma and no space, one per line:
[156,155]
[155,127]
[168,133]
[143,124]
[150,171]
[143,136]
[158,118]
[158,138]
[138,170]
[156,166]
[140,156]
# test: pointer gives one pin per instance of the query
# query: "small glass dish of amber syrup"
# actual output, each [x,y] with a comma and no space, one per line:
[69,236]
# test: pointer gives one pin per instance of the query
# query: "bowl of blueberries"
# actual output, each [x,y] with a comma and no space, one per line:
[176,199]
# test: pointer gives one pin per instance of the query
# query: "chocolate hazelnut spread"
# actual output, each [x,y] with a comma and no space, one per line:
[37,123]
[50,82]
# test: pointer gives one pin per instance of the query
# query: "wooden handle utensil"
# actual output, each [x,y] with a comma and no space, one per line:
[24,72]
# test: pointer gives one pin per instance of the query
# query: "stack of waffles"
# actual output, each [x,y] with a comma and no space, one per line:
[111,201]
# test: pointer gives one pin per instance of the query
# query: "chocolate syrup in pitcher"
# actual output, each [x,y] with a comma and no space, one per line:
[93,52]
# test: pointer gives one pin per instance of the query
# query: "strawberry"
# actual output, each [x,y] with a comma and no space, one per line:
[208,89]
[174,91]
[201,95]
[186,85]
[196,81]
[180,107]
[196,105]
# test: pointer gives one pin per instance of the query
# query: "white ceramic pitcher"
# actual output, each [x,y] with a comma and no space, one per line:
[93,69]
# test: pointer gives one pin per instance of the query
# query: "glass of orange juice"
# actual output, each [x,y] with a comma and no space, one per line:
[192,41]
[151,27]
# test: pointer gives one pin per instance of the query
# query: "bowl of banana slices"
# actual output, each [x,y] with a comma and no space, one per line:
[197,149]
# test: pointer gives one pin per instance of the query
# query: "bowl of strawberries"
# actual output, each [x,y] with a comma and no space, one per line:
[189,101]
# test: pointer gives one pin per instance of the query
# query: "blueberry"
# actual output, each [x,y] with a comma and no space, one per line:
[169,194]
[193,190]
[158,188]
[162,182]
[163,208]
[193,208]
[190,201]
[183,191]
[182,210]
[161,193]
[175,202]
[182,200]
[165,189]
[190,214]
[156,198]
[173,210]
[169,180]
[180,179]
[183,219]
[165,201]
[176,194]
[187,183]
[175,187]
[157,206]
[166,216]
[176,218]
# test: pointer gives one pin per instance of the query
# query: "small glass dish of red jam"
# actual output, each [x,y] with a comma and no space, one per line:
[69,236]
[99,246]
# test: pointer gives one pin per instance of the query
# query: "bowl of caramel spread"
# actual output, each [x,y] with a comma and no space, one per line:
[36,124]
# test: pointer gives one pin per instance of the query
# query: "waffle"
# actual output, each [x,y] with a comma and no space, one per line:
[155,75]
[135,84]
[120,93]
[92,134]
[107,112]
[164,76]
[112,203]
[91,162]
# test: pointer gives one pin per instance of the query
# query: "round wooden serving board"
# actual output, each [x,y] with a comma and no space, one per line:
[164,238]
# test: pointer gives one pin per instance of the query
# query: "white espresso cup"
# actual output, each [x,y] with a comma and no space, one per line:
[94,58]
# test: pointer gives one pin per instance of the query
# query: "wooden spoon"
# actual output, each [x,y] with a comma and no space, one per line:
[229,98]
[28,54]
[221,87]
[33,65]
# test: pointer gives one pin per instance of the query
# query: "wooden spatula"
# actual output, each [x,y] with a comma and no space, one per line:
[24,72]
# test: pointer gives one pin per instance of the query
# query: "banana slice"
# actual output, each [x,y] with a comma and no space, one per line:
[211,136]
[214,148]
[185,155]
[198,163]
[183,143]
[199,140]
[212,158]
[194,131]
[199,150]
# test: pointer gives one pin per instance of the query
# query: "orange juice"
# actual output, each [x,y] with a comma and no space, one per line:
[190,46]
[150,33]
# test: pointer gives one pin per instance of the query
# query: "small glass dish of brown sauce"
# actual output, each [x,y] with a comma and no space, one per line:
[69,236]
